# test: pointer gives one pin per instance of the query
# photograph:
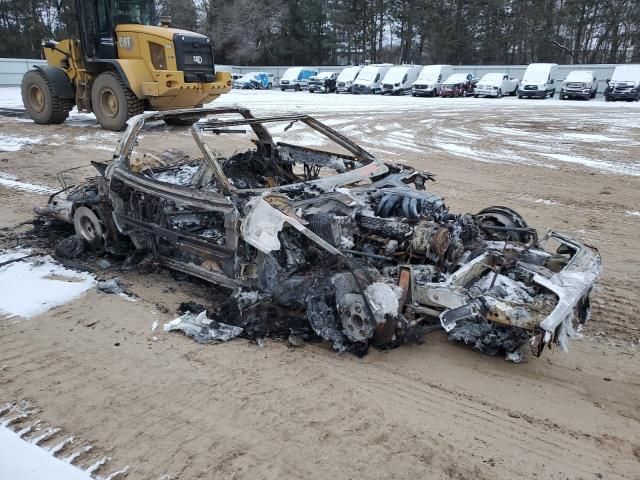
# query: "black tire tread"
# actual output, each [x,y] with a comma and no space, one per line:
[60,107]
[135,106]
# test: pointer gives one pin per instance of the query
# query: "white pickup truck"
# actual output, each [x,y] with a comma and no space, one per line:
[496,85]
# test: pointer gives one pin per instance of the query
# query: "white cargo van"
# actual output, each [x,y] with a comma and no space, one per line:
[429,81]
[399,79]
[579,84]
[624,84]
[370,78]
[346,78]
[538,81]
[297,78]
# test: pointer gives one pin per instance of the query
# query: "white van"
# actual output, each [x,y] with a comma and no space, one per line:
[400,78]
[538,81]
[346,78]
[370,78]
[496,85]
[297,78]
[579,84]
[429,81]
[624,84]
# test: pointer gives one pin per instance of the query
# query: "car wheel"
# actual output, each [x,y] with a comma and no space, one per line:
[499,95]
[281,89]
[297,88]
[87,224]
[475,95]
[270,86]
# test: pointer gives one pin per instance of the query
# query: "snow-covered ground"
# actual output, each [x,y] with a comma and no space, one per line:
[549,133]
[22,460]
[32,286]
[305,102]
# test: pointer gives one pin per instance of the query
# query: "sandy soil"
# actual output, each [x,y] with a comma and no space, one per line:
[170,408]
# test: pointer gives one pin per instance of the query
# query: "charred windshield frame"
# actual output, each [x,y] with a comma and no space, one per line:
[370,166]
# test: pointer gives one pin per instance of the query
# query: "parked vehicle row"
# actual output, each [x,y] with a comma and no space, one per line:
[538,81]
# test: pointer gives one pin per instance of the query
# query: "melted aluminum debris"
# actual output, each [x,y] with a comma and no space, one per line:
[202,329]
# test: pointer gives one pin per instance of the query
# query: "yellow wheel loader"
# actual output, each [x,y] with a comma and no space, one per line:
[121,65]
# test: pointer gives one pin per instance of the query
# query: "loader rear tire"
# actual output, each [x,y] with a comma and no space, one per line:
[40,101]
[113,102]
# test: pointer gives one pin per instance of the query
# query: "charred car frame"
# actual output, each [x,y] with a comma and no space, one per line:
[359,250]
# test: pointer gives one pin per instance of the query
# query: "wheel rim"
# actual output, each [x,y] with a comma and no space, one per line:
[87,230]
[109,102]
[36,98]
[89,227]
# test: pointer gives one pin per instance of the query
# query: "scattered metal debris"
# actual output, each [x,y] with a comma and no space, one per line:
[111,286]
[202,329]
[338,245]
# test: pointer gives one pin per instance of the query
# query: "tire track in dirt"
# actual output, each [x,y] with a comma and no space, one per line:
[503,431]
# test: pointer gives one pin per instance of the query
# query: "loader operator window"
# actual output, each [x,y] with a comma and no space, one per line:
[133,11]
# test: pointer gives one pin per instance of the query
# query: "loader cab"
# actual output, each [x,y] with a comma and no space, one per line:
[98,20]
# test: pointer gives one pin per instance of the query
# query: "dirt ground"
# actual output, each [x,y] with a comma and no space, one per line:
[170,408]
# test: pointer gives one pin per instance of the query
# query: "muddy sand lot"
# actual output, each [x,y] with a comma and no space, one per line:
[169,408]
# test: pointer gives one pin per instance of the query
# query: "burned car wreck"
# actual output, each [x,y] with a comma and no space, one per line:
[358,251]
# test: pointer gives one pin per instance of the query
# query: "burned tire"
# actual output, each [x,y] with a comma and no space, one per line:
[113,102]
[40,101]
[89,226]
[504,217]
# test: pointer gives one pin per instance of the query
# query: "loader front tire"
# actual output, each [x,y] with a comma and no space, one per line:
[113,102]
[40,101]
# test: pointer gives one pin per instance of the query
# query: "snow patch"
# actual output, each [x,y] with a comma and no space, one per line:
[11,181]
[629,213]
[545,201]
[632,169]
[457,149]
[589,137]
[26,461]
[33,286]
[9,143]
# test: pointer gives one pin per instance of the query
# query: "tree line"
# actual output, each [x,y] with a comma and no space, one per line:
[330,32]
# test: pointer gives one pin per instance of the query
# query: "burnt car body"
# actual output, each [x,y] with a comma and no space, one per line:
[361,251]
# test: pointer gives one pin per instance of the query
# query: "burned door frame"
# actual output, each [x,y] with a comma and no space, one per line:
[148,231]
